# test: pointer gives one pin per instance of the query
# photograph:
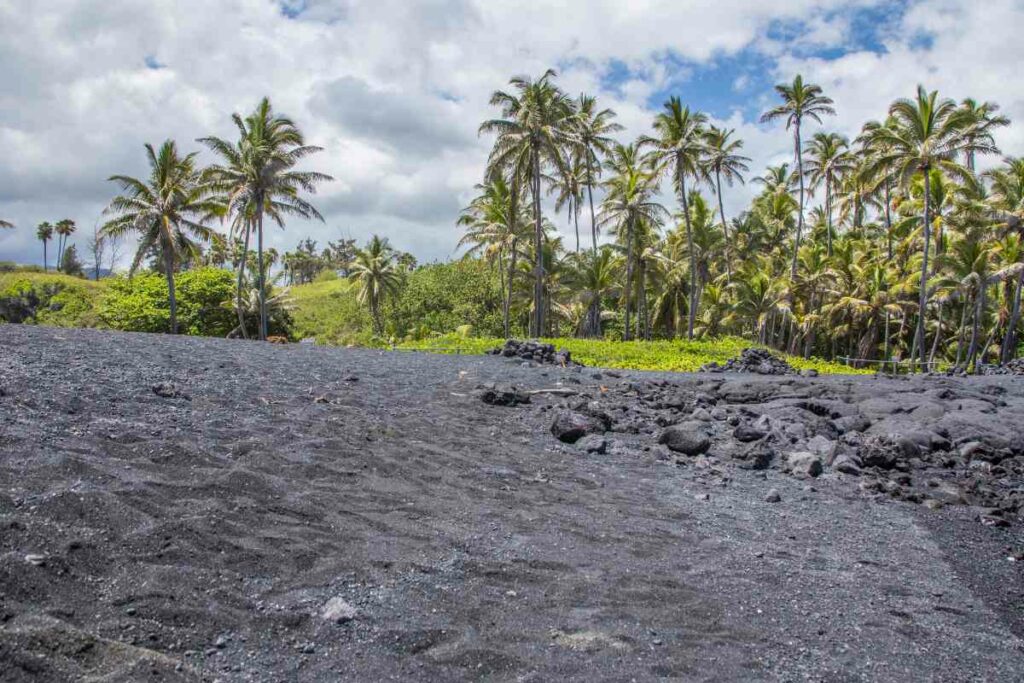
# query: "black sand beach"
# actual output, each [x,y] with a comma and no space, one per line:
[200,509]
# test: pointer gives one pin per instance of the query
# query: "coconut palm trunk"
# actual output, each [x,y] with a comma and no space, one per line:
[629,279]
[800,215]
[973,358]
[725,225]
[593,216]
[922,299]
[45,268]
[938,336]
[538,282]
[241,277]
[262,274]
[691,315]
[1006,353]
[172,299]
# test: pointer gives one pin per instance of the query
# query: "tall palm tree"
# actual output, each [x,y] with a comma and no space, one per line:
[724,159]
[592,130]
[496,224]
[628,202]
[44,233]
[64,229]
[167,210]
[534,129]
[374,270]
[1007,203]
[680,150]
[926,134]
[799,100]
[257,177]
[830,161]
[983,121]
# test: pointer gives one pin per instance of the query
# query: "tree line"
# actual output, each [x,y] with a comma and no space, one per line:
[909,253]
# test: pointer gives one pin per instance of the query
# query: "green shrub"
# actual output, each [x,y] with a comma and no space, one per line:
[667,355]
[141,304]
[445,296]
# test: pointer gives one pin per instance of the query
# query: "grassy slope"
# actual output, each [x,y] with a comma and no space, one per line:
[675,356]
[328,310]
[72,301]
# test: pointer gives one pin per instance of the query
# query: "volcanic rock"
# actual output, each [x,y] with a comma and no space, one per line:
[685,439]
[536,352]
[757,361]
[570,426]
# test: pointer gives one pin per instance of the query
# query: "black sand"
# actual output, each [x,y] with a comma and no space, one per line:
[184,509]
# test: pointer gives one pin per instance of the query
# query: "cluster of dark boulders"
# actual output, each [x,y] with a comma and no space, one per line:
[778,425]
[756,361]
[535,352]
[502,395]
[1013,367]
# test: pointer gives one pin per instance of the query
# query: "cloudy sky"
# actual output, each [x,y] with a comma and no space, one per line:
[394,90]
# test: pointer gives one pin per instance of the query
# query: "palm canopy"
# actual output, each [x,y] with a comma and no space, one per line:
[799,100]
[725,161]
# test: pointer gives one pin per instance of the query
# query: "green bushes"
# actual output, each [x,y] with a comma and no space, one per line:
[666,355]
[441,297]
[140,304]
[49,299]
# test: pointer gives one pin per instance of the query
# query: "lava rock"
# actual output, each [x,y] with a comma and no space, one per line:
[773,496]
[757,361]
[748,432]
[803,464]
[685,439]
[338,611]
[496,395]
[168,390]
[593,443]
[570,426]
[536,352]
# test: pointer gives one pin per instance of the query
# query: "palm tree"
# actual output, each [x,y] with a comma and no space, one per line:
[724,159]
[535,127]
[799,100]
[167,210]
[378,277]
[1007,202]
[64,229]
[595,274]
[926,134]
[592,131]
[628,202]
[44,233]
[496,227]
[680,150]
[830,161]
[257,177]
[983,120]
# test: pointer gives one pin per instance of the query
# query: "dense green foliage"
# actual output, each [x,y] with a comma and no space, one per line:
[140,304]
[666,355]
[49,299]
[892,246]
[441,297]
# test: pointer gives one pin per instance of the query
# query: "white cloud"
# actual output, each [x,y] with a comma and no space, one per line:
[395,90]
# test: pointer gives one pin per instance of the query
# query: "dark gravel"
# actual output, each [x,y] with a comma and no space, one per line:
[199,509]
